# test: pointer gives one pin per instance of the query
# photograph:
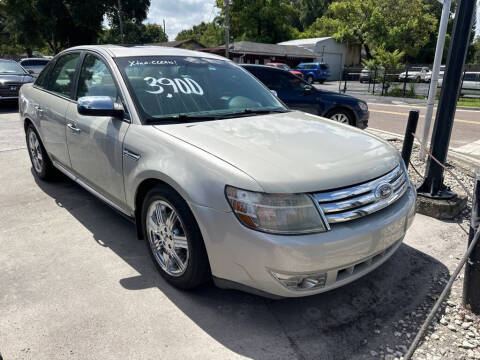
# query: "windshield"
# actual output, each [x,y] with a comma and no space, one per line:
[165,87]
[10,67]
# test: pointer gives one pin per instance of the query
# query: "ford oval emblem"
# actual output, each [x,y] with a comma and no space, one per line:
[383,191]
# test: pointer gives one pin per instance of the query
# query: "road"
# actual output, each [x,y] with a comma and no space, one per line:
[393,118]
[76,283]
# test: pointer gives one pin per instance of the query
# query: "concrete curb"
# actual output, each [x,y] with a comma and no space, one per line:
[468,162]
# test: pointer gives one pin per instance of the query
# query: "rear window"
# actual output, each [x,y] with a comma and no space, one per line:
[37,62]
[323,67]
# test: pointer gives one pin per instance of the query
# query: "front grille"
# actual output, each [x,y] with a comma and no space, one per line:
[9,89]
[361,200]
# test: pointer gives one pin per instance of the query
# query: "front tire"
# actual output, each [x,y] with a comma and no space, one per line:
[342,116]
[173,239]
[41,164]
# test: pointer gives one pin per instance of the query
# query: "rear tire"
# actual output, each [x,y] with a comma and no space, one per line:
[41,164]
[173,239]
[321,81]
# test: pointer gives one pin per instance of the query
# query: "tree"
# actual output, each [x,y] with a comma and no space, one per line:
[134,33]
[209,34]
[268,21]
[310,10]
[392,24]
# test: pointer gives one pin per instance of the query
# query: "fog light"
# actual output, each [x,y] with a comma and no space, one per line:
[300,282]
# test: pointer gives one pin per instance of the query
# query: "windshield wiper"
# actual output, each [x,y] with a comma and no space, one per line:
[183,118]
[259,111]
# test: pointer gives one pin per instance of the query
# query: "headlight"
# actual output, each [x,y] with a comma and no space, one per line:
[275,213]
[363,106]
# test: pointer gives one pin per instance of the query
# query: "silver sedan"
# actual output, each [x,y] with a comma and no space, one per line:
[222,180]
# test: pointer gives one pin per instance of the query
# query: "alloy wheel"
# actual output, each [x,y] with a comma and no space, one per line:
[341,118]
[36,151]
[167,238]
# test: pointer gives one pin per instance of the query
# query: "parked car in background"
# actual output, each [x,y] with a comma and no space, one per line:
[35,65]
[470,83]
[12,77]
[417,74]
[285,67]
[370,75]
[314,72]
[300,95]
[221,179]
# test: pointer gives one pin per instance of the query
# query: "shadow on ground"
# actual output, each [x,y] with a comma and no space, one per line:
[348,322]
[10,106]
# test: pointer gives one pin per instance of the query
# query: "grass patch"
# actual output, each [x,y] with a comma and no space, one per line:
[469,102]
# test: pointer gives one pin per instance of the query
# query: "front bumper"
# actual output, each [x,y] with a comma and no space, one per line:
[350,250]
[362,119]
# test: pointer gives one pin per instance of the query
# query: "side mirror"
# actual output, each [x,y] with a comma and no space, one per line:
[99,106]
[308,89]
[30,71]
[274,92]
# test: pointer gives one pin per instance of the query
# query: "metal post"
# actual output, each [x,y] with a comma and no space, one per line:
[405,80]
[374,80]
[471,282]
[120,20]
[435,72]
[408,139]
[227,28]
[383,83]
[345,79]
[433,184]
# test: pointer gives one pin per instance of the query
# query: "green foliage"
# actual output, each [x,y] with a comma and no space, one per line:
[209,34]
[390,60]
[476,51]
[134,33]
[58,24]
[391,24]
[268,21]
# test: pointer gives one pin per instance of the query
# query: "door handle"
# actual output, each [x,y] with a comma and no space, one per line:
[74,128]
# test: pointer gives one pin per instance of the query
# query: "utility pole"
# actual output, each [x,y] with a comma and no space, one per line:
[120,20]
[432,186]
[164,28]
[435,71]
[227,28]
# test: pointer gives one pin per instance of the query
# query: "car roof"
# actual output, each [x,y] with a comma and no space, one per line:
[117,51]
[25,59]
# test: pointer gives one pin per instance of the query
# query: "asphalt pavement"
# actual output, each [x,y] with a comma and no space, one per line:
[76,283]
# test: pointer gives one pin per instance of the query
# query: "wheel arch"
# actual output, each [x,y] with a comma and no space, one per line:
[141,191]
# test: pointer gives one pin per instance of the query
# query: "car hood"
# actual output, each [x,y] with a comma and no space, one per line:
[291,152]
[338,97]
[8,79]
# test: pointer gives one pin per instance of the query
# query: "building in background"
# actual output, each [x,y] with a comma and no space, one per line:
[248,52]
[331,52]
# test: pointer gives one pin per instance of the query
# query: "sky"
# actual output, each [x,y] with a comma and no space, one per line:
[183,14]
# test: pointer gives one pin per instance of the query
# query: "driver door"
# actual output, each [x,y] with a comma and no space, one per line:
[95,142]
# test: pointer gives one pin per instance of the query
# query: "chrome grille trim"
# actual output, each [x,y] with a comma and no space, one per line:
[357,201]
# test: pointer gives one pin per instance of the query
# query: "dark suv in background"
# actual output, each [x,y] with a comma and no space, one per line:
[299,95]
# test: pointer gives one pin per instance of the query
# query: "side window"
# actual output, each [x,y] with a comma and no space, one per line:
[95,79]
[61,78]
[290,82]
[469,77]
[42,77]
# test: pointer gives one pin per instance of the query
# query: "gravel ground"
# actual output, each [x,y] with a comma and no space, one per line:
[455,332]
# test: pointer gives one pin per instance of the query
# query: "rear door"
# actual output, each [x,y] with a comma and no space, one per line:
[52,103]
[95,142]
